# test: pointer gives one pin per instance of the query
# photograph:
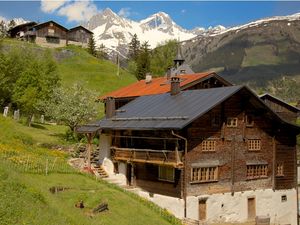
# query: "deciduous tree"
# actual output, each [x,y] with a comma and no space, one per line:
[72,106]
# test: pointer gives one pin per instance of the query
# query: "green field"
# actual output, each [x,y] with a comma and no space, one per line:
[76,65]
[98,75]
[32,160]
[24,186]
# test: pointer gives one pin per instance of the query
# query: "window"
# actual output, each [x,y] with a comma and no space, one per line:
[279,171]
[254,144]
[54,40]
[204,174]
[51,31]
[166,173]
[249,121]
[257,171]
[232,122]
[208,146]
[283,198]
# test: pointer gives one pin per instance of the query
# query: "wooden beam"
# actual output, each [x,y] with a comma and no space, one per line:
[157,162]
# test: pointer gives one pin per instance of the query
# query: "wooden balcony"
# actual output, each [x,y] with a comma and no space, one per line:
[159,157]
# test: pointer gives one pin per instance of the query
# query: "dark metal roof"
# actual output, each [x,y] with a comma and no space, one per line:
[268,96]
[50,21]
[80,27]
[89,128]
[165,111]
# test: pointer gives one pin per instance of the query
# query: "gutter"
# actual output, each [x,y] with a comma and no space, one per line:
[184,170]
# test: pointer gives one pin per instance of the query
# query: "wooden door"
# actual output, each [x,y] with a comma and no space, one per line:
[202,209]
[128,173]
[251,208]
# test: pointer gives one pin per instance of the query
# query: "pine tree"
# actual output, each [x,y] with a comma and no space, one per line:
[143,62]
[134,48]
[102,52]
[11,24]
[3,29]
[92,46]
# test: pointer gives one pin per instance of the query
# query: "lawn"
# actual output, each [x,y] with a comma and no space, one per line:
[24,186]
[26,199]
[98,75]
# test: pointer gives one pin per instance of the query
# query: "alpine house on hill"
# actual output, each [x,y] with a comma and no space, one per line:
[214,155]
[51,34]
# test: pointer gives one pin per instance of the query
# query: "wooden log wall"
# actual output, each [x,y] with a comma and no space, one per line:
[231,151]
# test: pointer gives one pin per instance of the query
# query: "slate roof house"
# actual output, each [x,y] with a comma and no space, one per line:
[20,30]
[214,155]
[48,34]
[79,36]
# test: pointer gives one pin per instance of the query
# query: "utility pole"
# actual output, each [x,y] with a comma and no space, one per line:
[118,60]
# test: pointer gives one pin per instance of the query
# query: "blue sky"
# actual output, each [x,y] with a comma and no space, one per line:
[187,14]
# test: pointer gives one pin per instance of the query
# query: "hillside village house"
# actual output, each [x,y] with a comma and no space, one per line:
[20,30]
[216,155]
[51,34]
[79,36]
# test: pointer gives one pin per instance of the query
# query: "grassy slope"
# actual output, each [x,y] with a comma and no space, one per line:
[25,197]
[75,64]
[98,75]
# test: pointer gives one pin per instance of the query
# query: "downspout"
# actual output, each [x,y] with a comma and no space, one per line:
[184,169]
[274,163]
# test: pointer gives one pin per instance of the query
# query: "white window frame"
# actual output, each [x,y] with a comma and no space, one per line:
[231,119]
[160,168]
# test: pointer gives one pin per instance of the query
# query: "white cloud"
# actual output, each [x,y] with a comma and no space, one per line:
[74,10]
[125,12]
[49,6]
[78,11]
[183,11]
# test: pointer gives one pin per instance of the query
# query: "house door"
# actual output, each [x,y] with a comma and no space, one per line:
[251,208]
[202,209]
[128,173]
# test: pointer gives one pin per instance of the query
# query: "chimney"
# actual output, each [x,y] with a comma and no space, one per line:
[110,107]
[148,78]
[175,85]
[169,73]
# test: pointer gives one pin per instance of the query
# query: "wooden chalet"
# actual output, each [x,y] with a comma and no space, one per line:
[216,155]
[20,30]
[161,85]
[283,109]
[48,34]
[79,36]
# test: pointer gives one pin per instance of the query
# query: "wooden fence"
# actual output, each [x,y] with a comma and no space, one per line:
[39,164]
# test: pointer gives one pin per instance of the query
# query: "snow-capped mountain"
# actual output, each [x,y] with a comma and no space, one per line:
[18,21]
[112,30]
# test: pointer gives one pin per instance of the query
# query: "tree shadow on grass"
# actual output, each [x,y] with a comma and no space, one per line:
[38,126]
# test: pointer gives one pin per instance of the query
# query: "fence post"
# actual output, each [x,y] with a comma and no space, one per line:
[46,167]
[27,162]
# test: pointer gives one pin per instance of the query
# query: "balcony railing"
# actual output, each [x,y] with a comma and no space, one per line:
[30,33]
[159,157]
